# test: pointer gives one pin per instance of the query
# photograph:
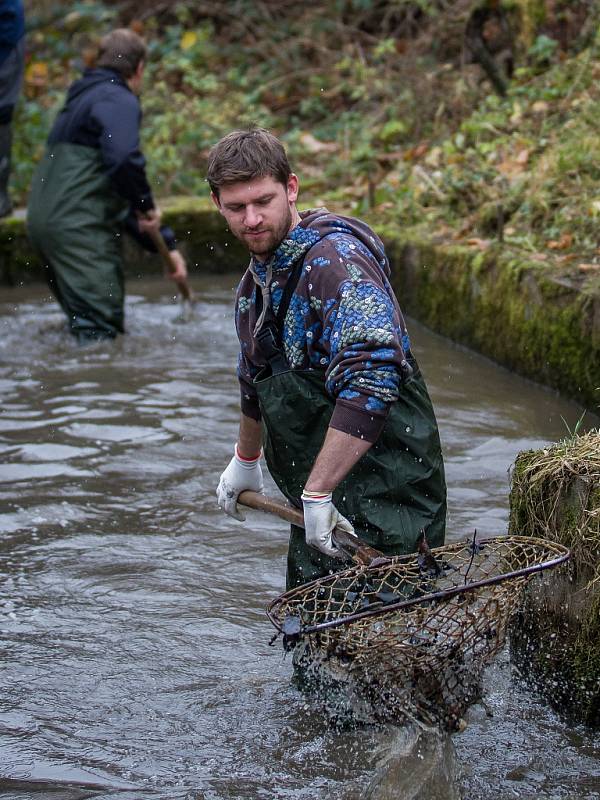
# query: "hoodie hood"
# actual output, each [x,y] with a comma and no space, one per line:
[323,222]
[350,235]
[93,77]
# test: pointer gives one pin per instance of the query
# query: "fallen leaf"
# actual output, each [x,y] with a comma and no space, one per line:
[72,20]
[188,40]
[511,167]
[540,107]
[588,267]
[482,244]
[314,145]
[420,150]
[36,73]
[434,157]
[565,241]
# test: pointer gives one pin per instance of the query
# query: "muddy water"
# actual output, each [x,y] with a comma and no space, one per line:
[136,659]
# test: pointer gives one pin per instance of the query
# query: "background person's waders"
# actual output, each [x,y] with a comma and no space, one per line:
[73,218]
[395,490]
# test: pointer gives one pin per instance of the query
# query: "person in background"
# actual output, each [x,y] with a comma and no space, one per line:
[90,185]
[328,380]
[12,59]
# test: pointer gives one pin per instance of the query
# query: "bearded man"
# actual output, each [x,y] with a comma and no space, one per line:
[329,384]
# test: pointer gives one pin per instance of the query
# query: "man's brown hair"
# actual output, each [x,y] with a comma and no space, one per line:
[244,155]
[121,50]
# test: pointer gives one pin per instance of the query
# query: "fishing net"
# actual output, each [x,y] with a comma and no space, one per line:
[409,637]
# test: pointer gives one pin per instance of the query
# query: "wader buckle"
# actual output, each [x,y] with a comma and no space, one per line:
[268,342]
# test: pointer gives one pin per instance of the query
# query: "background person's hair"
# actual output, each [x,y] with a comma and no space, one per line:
[121,50]
[244,155]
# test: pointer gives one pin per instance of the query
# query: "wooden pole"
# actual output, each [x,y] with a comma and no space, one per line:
[348,543]
[165,254]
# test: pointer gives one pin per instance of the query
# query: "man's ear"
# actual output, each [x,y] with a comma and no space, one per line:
[216,201]
[292,188]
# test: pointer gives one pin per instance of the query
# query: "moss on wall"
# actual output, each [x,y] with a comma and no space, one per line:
[18,261]
[530,317]
[201,232]
[535,320]
[204,236]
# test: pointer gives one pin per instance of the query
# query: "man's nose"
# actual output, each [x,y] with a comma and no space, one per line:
[253,217]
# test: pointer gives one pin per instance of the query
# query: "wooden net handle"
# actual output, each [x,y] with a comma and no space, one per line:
[350,544]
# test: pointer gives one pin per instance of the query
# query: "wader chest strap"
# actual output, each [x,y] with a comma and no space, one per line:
[268,341]
[269,336]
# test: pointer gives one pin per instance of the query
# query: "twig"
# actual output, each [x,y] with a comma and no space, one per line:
[418,170]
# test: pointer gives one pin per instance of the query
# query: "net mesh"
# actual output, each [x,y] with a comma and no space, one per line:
[409,638]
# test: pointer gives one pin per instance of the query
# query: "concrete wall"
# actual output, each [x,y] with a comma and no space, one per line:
[530,316]
[201,231]
[534,318]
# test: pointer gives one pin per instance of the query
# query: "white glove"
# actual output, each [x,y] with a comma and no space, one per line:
[320,518]
[241,474]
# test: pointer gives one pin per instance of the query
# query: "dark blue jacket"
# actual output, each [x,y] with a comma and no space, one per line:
[12,26]
[102,112]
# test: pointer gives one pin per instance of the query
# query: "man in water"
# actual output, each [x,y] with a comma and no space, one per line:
[12,59]
[90,184]
[325,369]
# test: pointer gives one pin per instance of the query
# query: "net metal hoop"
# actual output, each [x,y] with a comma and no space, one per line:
[563,554]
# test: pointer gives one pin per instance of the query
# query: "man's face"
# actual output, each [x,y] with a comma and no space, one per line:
[259,212]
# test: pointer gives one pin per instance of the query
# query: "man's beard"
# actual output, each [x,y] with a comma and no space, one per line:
[273,240]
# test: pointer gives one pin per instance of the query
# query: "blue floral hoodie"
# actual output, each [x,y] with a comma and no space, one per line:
[343,320]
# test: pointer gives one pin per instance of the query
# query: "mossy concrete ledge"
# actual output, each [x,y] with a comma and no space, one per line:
[534,318]
[555,639]
[529,316]
[201,232]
